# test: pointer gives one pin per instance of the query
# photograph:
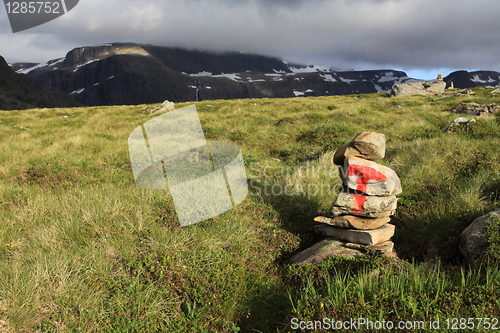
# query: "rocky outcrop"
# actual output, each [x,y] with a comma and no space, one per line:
[122,73]
[17,92]
[476,109]
[474,239]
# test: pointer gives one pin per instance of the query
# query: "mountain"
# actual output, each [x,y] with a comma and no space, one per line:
[465,79]
[17,91]
[126,73]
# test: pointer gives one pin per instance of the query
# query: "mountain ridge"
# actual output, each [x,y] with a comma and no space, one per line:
[17,91]
[130,73]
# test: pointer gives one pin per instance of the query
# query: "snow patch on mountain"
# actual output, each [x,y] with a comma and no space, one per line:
[328,77]
[79,91]
[477,79]
[379,88]
[308,69]
[85,64]
[233,76]
[302,93]
[346,80]
[201,74]
[49,63]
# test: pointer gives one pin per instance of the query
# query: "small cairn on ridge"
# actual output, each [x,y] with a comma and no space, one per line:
[362,210]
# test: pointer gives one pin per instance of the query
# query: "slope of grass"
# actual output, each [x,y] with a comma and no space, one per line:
[82,248]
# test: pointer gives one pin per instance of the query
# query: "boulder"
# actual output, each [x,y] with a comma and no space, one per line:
[366,237]
[367,145]
[369,177]
[362,205]
[418,88]
[460,124]
[354,222]
[474,239]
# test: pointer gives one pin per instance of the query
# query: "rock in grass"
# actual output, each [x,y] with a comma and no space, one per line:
[460,124]
[354,222]
[369,177]
[323,250]
[362,205]
[476,109]
[366,237]
[367,145]
[474,239]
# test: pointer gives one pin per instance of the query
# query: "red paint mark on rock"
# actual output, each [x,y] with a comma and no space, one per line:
[359,201]
[364,174]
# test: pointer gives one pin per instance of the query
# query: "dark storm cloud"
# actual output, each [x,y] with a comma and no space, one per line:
[405,34]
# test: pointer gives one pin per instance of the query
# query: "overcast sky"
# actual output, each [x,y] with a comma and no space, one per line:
[421,37]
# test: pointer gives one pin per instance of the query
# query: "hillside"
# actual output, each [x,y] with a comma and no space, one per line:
[118,73]
[17,91]
[465,79]
[83,249]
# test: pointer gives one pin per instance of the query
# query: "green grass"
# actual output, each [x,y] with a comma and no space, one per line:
[83,249]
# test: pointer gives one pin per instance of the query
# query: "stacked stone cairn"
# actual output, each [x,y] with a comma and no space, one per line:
[361,213]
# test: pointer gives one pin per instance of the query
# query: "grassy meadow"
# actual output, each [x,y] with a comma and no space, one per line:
[83,249]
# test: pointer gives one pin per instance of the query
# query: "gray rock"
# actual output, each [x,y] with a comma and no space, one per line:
[369,177]
[167,106]
[466,92]
[418,88]
[323,250]
[476,109]
[366,237]
[362,205]
[474,239]
[366,145]
[460,124]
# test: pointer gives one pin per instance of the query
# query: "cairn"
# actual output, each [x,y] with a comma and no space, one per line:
[361,213]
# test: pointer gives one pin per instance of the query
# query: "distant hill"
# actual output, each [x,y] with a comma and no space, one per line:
[17,92]
[125,73]
[465,79]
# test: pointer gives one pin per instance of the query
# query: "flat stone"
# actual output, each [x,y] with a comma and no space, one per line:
[363,205]
[366,237]
[384,248]
[323,250]
[367,145]
[369,177]
[354,222]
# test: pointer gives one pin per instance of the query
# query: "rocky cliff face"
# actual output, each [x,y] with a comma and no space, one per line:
[465,79]
[18,92]
[134,74]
